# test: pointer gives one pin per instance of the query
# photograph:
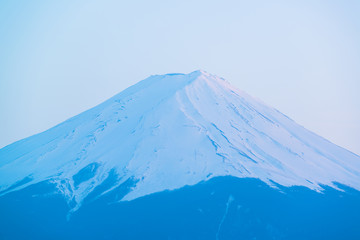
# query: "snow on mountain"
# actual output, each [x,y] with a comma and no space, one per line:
[172,130]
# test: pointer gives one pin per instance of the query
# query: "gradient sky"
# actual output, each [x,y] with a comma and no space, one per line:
[59,58]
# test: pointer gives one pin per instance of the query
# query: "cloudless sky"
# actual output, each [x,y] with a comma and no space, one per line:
[59,58]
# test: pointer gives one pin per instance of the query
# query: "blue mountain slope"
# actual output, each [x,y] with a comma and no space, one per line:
[221,208]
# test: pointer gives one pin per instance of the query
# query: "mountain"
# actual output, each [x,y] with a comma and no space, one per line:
[169,138]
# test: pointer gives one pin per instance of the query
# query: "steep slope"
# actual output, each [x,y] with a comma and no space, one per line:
[174,130]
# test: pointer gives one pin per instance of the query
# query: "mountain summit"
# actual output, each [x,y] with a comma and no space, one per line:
[173,130]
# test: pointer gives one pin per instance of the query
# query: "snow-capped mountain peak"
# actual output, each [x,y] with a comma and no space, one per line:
[169,131]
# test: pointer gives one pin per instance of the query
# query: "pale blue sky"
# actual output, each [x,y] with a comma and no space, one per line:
[59,58]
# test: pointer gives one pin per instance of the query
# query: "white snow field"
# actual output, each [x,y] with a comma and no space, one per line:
[172,130]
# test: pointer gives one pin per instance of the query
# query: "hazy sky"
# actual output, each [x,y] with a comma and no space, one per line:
[59,58]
